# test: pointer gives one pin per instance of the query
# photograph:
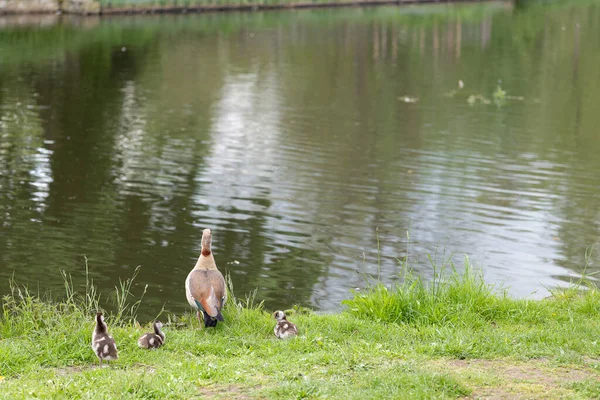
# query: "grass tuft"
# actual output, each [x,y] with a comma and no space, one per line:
[465,300]
[454,298]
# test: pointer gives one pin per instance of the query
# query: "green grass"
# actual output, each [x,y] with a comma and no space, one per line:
[451,338]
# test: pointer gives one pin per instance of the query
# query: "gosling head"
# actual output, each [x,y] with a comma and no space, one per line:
[279,315]
[100,324]
[206,242]
[158,325]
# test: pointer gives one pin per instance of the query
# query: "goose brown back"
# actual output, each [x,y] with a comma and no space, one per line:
[205,285]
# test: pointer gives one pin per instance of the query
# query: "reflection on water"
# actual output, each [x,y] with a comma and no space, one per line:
[310,142]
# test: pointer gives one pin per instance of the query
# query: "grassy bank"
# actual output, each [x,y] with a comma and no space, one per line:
[455,337]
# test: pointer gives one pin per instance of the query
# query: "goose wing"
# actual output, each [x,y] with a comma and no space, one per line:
[207,289]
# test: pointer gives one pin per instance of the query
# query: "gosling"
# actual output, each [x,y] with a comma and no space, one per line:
[153,340]
[102,343]
[284,328]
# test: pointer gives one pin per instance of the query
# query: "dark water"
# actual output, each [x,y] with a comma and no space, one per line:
[299,138]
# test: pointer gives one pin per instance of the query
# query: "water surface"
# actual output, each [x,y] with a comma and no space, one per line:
[310,142]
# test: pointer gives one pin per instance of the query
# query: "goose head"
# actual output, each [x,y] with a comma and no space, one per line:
[206,242]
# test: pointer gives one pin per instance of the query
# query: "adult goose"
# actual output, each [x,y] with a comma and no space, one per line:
[205,285]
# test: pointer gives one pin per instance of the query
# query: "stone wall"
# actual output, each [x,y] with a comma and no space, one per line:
[93,7]
[29,6]
[82,7]
[49,6]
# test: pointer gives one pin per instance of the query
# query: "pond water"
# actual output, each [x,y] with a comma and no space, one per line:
[312,143]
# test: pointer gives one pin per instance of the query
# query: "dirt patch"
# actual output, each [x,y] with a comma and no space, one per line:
[493,394]
[591,360]
[64,371]
[500,379]
[147,368]
[72,370]
[227,392]
[537,371]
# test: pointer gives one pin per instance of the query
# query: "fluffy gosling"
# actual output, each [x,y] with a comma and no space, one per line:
[284,328]
[102,343]
[153,340]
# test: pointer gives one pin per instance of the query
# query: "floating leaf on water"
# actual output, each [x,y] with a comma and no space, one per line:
[499,94]
[472,99]
[408,99]
[450,93]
